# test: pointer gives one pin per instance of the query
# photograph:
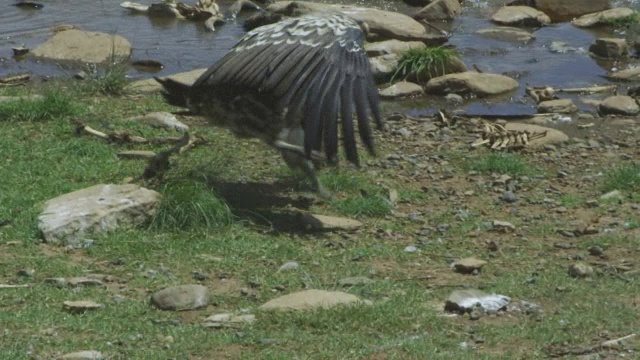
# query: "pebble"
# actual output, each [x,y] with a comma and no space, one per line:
[468,265]
[596,251]
[81,306]
[508,197]
[410,249]
[181,297]
[290,265]
[83,355]
[580,270]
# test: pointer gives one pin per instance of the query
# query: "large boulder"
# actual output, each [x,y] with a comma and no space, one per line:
[84,46]
[568,9]
[391,47]
[71,217]
[520,16]
[602,17]
[479,84]
[439,10]
[383,25]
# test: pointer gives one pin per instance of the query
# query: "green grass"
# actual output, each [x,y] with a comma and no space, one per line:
[188,205]
[624,178]
[197,230]
[423,63]
[50,106]
[626,21]
[500,163]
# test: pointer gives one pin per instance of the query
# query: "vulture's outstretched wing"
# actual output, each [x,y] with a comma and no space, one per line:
[316,67]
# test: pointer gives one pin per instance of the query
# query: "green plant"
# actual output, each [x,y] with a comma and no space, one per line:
[188,204]
[55,104]
[423,63]
[111,80]
[500,163]
[623,178]
[626,21]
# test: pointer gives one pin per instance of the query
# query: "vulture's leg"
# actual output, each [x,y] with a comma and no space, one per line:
[291,144]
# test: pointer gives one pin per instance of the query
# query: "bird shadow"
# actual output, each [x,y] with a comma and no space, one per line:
[271,205]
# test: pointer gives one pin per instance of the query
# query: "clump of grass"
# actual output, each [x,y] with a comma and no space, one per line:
[623,178]
[111,80]
[374,205]
[423,63]
[625,21]
[55,104]
[500,163]
[571,201]
[364,198]
[188,205]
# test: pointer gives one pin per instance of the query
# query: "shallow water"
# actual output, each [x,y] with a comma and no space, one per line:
[183,45]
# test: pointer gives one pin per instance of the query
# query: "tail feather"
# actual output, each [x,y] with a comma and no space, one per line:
[174,92]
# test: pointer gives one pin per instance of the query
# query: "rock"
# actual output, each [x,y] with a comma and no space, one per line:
[383,25]
[418,2]
[468,265]
[553,136]
[560,106]
[450,65]
[151,85]
[227,320]
[83,355]
[58,282]
[401,89]
[580,270]
[100,208]
[626,74]
[391,47]
[329,223]
[568,9]
[619,105]
[410,249]
[161,119]
[384,67]
[355,281]
[502,226]
[81,306]
[181,297]
[507,33]
[289,265]
[84,46]
[596,251]
[464,301]
[615,194]
[509,197]
[610,48]
[520,16]
[439,10]
[454,99]
[602,17]
[84,282]
[311,299]
[479,84]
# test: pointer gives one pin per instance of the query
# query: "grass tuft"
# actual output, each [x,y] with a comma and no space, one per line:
[55,104]
[500,163]
[626,21]
[190,205]
[111,81]
[423,63]
[623,178]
